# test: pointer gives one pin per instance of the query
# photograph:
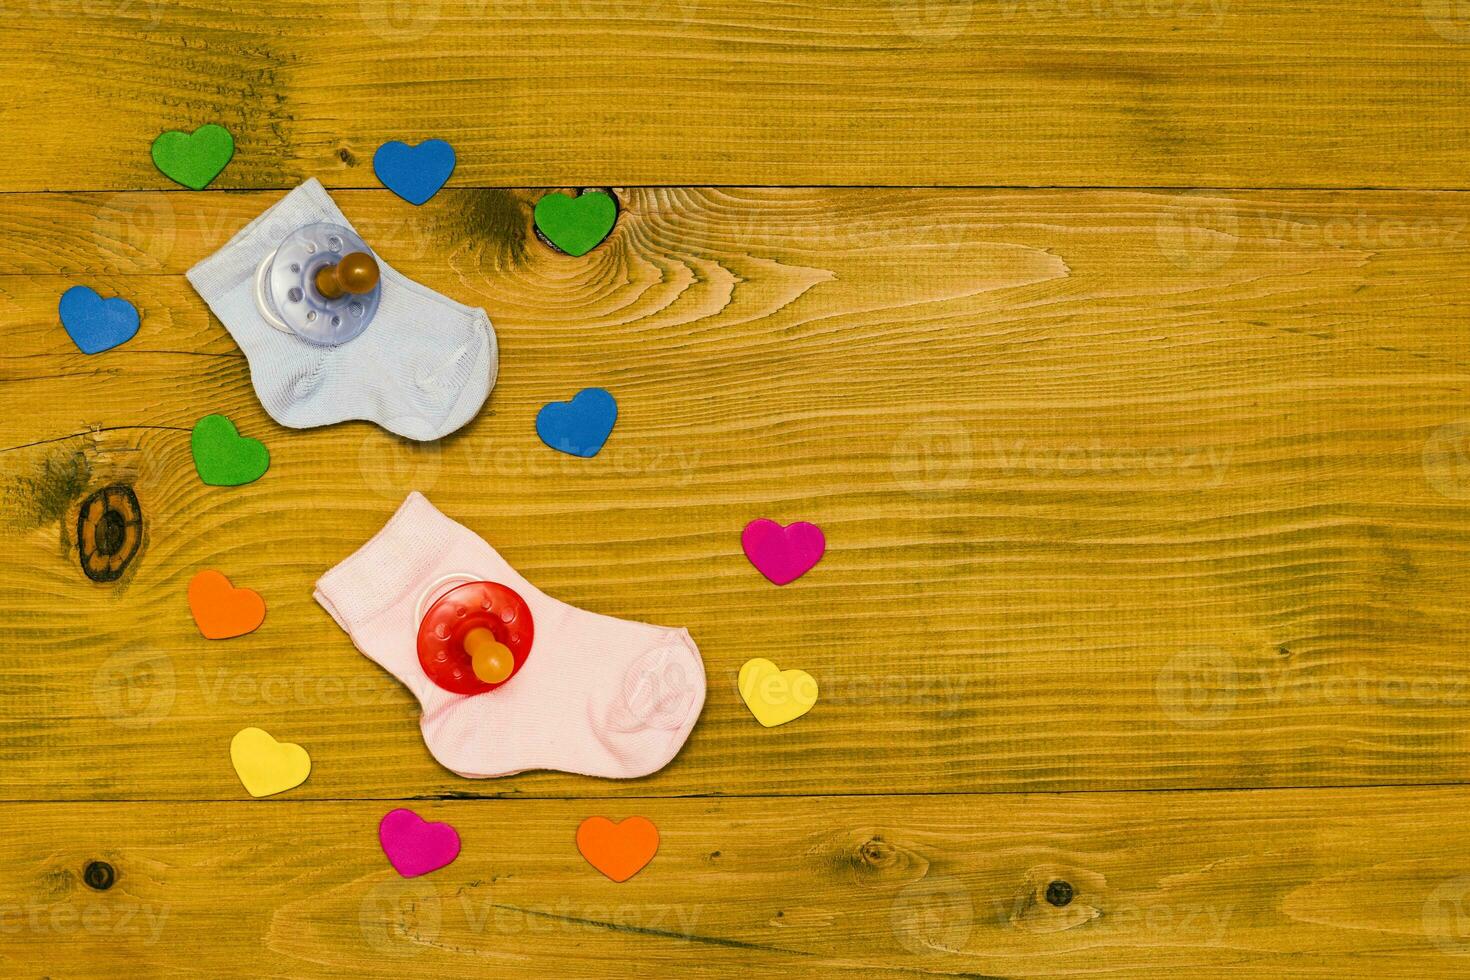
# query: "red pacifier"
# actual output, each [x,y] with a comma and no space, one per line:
[475,637]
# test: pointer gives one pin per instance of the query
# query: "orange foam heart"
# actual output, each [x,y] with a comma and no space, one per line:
[220,609]
[618,850]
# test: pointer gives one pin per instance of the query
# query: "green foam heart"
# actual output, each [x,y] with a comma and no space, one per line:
[223,457]
[576,225]
[194,159]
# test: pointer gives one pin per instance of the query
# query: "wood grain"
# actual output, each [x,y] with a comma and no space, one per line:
[1171,93]
[1324,884]
[1123,490]
[1151,495]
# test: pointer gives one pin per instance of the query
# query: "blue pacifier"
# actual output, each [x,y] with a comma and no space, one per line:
[321,284]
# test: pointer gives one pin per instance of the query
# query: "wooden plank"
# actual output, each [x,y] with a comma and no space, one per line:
[1320,884]
[1117,496]
[1217,93]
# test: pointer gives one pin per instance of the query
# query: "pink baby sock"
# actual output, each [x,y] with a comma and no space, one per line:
[596,696]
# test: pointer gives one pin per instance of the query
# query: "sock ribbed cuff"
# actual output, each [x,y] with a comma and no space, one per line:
[237,260]
[398,558]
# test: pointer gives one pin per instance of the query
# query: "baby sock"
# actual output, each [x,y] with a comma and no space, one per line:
[596,696]
[421,369]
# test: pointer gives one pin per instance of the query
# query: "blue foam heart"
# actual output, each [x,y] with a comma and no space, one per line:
[414,173]
[578,427]
[96,324]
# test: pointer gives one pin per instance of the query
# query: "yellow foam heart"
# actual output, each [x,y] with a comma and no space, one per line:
[266,766]
[776,696]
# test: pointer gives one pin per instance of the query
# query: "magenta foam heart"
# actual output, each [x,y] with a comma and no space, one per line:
[414,845]
[783,554]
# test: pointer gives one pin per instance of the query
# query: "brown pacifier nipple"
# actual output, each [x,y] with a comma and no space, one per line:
[356,273]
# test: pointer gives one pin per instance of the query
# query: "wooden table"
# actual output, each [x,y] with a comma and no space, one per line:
[1119,347]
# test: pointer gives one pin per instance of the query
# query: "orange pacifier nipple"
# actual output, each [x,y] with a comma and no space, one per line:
[491,660]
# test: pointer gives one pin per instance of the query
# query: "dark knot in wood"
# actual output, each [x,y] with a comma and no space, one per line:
[1059,893]
[109,532]
[99,875]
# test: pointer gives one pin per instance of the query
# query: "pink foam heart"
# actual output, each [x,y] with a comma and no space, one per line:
[783,554]
[415,846]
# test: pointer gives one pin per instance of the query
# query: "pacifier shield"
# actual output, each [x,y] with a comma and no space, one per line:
[285,287]
[446,649]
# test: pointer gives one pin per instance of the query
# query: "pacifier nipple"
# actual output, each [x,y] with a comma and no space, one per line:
[491,661]
[356,273]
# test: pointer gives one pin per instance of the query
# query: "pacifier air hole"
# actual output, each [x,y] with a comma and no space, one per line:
[321,284]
